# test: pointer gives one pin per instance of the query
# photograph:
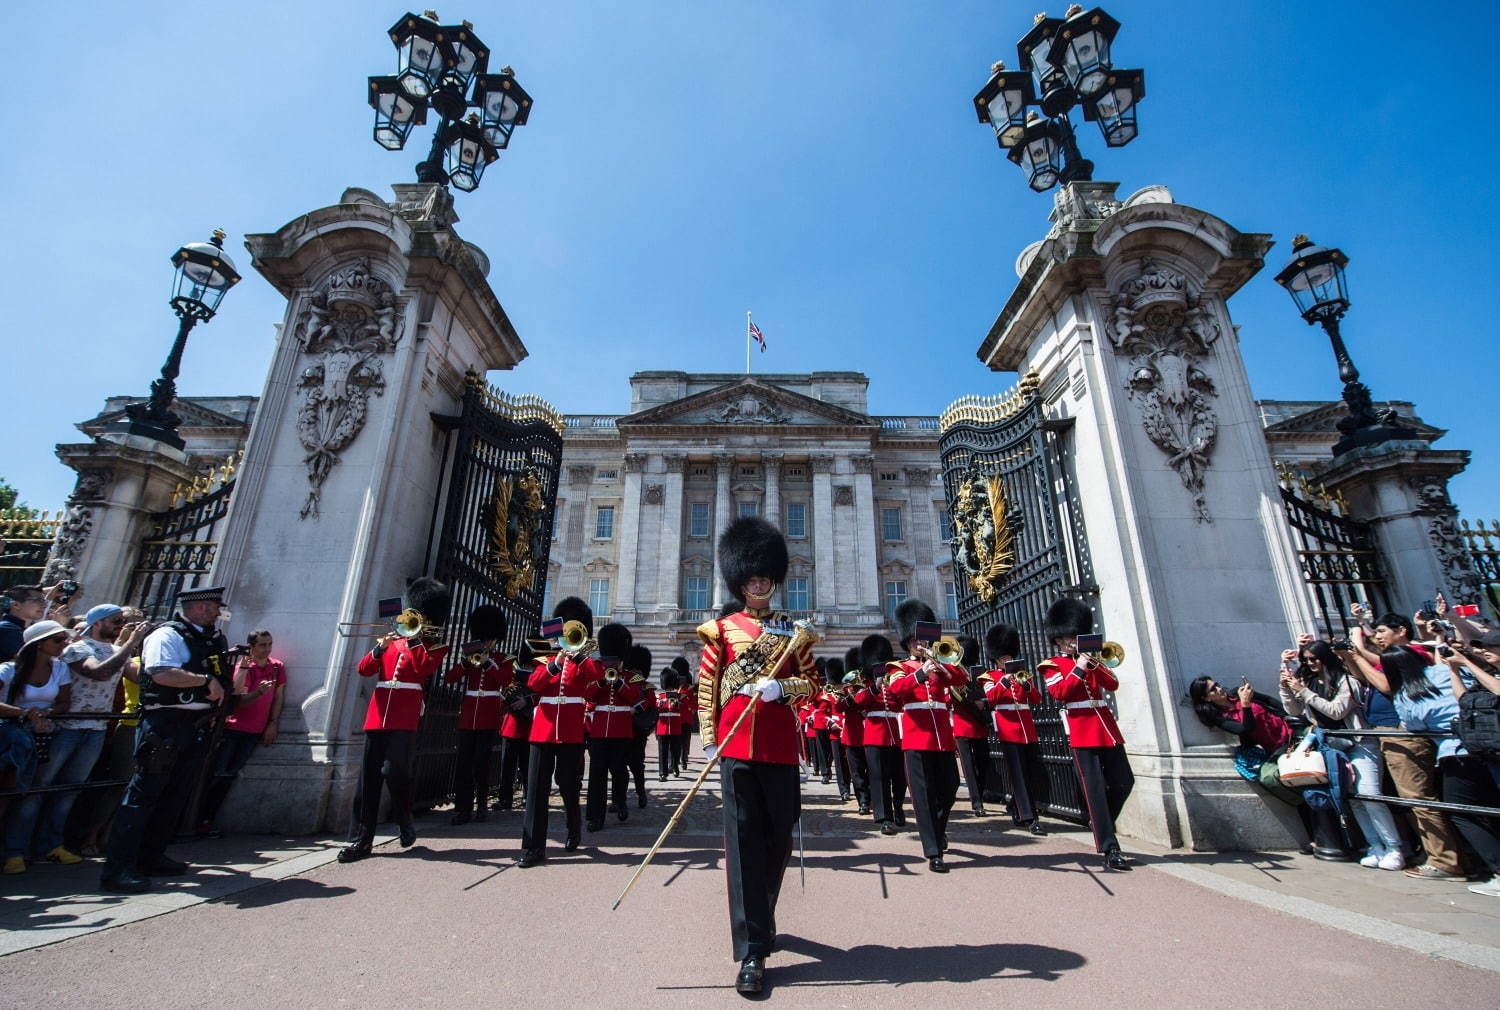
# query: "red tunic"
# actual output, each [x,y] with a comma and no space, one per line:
[1081,694]
[401,668]
[882,717]
[805,716]
[769,732]
[853,734]
[613,705]
[1013,702]
[482,707]
[689,712]
[822,708]
[925,721]
[647,702]
[671,710]
[560,696]
[970,720]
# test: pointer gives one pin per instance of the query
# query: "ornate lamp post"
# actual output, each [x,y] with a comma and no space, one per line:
[443,68]
[1065,62]
[204,273]
[1315,279]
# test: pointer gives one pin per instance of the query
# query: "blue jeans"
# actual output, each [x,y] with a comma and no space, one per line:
[36,825]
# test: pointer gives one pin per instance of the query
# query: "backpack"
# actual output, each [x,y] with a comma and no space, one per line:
[1478,723]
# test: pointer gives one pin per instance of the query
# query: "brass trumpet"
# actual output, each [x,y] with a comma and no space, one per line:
[575,639]
[477,653]
[1111,654]
[947,651]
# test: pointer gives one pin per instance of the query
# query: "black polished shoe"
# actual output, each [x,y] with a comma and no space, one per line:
[207,830]
[458,819]
[500,808]
[1035,827]
[594,825]
[530,858]
[571,845]
[640,800]
[752,977]
[353,853]
[887,828]
[408,835]
[826,780]
[125,882]
[1114,859]
[844,797]
[864,811]
[980,811]
[621,813]
[936,865]
[165,866]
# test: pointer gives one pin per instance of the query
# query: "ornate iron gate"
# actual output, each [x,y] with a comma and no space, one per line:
[1338,556]
[26,538]
[496,537]
[1019,541]
[179,548]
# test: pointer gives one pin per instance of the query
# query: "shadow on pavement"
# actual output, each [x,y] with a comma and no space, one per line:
[281,891]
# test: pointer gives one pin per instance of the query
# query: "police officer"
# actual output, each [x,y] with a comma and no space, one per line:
[183,664]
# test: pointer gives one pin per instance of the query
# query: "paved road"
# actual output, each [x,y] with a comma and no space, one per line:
[1019,921]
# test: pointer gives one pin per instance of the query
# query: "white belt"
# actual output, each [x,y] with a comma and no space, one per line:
[882,714]
[399,684]
[613,708]
[481,694]
[1091,703]
[669,715]
[935,705]
[1014,708]
[566,699]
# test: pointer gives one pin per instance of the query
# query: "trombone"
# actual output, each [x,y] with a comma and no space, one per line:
[408,624]
[1110,654]
[574,641]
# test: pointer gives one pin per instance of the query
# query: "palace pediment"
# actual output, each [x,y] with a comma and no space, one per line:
[746,403]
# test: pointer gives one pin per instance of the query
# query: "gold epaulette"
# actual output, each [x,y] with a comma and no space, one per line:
[708,631]
[637,679]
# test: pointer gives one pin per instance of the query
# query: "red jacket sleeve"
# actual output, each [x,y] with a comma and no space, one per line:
[543,680]
[455,673]
[370,664]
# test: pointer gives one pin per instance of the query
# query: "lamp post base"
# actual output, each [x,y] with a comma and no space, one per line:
[148,429]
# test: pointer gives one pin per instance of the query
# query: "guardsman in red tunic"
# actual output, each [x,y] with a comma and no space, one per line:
[1079,684]
[560,684]
[820,707]
[669,709]
[832,695]
[642,716]
[485,672]
[882,735]
[971,730]
[401,667]
[853,735]
[611,728]
[924,688]
[684,739]
[758,763]
[1013,695]
[515,731]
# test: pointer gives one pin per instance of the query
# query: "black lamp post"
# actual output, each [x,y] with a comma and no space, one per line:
[1064,62]
[443,68]
[204,273]
[1315,279]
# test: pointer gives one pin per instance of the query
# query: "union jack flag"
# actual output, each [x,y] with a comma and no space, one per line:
[760,338]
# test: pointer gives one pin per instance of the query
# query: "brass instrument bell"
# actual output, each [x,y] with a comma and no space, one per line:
[947,651]
[1112,654]
[575,638]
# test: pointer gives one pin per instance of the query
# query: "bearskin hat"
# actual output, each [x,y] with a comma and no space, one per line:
[750,546]
[970,646]
[851,660]
[669,679]
[614,640]
[908,614]
[874,652]
[1002,640]
[638,659]
[487,622]
[430,598]
[730,607]
[571,608]
[1068,618]
[680,664]
[833,670]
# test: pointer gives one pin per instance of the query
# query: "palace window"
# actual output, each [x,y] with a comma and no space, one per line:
[945,523]
[895,595]
[796,521]
[695,592]
[599,598]
[604,522]
[701,471]
[950,601]
[890,524]
[606,475]
[749,509]
[796,594]
[795,471]
[698,519]
[890,475]
[749,471]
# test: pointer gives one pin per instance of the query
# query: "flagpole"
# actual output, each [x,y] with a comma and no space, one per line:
[747,343]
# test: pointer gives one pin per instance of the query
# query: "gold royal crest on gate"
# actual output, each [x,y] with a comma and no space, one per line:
[983,538]
[515,526]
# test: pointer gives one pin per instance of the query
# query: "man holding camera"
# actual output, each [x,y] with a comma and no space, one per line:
[27,605]
[183,663]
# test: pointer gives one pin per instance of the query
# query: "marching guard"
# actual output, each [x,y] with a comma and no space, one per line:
[515,731]
[611,729]
[1013,694]
[882,731]
[486,673]
[924,687]
[401,667]
[642,716]
[669,709]
[853,734]
[971,730]
[832,695]
[1078,682]
[758,763]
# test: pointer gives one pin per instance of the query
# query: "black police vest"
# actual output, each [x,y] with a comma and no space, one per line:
[205,650]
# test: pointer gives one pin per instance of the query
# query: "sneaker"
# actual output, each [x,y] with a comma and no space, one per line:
[14,864]
[1371,860]
[1490,887]
[62,855]
[1392,860]
[1426,871]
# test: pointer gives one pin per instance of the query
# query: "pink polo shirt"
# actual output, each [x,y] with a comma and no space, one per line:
[252,716]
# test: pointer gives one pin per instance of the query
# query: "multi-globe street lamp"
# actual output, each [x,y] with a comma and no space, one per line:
[445,68]
[204,273]
[1314,277]
[1065,62]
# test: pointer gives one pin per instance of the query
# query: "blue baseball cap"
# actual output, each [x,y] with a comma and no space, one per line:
[99,613]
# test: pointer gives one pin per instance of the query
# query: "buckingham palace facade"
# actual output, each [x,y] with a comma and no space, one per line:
[643,496]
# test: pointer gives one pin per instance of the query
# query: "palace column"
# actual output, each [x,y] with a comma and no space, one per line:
[865,531]
[920,535]
[771,462]
[629,538]
[723,467]
[668,569]
[825,574]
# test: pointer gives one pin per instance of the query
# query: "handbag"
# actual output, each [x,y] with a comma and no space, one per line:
[1302,766]
[1249,759]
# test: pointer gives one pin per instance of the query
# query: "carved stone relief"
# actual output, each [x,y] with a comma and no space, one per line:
[822,462]
[1443,533]
[77,524]
[580,476]
[1167,334]
[347,329]
[843,494]
[654,494]
[748,408]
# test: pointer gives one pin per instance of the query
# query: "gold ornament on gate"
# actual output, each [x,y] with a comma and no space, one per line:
[983,541]
[516,509]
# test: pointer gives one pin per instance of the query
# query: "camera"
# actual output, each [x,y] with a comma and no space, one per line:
[1341,645]
[65,590]
[1445,651]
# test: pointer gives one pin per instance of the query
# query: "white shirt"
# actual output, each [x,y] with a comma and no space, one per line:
[91,695]
[31,696]
[165,647]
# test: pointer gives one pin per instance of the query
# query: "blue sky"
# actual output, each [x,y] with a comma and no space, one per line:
[818,163]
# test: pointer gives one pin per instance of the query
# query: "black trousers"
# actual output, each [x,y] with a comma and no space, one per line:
[859,773]
[609,775]
[666,756]
[471,772]
[1470,780]
[683,742]
[170,747]
[823,748]
[513,761]
[1106,779]
[235,749]
[974,759]
[564,762]
[637,761]
[1029,788]
[762,802]
[387,762]
[887,782]
[933,775]
[840,766]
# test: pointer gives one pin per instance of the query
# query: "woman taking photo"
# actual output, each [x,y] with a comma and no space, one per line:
[38,681]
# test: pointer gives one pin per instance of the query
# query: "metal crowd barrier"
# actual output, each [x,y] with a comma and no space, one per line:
[1402,801]
[74,786]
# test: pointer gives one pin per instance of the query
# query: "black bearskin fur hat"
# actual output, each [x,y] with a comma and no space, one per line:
[751,546]
[833,670]
[730,607]
[571,608]
[851,660]
[1068,618]
[907,616]
[614,640]
[669,679]
[430,598]
[874,652]
[970,646]
[680,664]
[638,660]
[487,623]
[1002,640]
